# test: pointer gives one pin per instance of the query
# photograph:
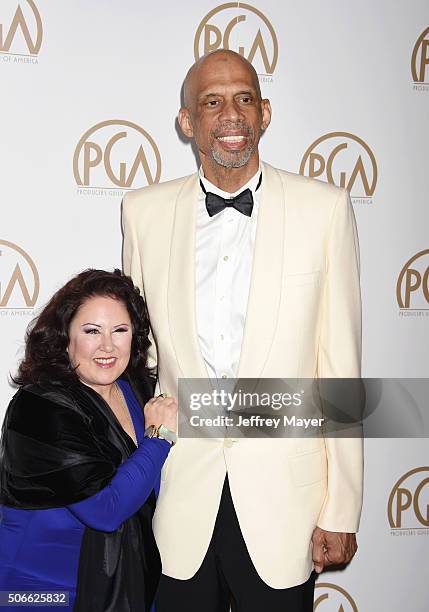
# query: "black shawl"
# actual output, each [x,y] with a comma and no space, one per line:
[60,446]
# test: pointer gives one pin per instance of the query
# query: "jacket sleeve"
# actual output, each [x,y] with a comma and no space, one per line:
[131,260]
[128,489]
[339,356]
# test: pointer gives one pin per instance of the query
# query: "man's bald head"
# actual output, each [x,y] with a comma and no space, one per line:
[210,63]
[224,113]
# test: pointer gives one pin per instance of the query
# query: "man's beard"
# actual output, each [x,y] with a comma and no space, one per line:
[233,159]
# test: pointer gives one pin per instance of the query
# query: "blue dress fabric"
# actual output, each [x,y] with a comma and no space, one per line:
[40,549]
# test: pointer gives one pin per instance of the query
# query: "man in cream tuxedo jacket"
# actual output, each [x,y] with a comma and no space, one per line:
[272,294]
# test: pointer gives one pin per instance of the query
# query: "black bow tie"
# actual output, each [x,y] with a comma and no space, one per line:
[243,202]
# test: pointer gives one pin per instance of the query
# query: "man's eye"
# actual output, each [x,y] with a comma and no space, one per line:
[213,103]
[246,99]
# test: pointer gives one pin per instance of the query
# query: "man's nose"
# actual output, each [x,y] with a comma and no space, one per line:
[231,111]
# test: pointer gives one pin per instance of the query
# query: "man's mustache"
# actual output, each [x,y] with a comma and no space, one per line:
[230,126]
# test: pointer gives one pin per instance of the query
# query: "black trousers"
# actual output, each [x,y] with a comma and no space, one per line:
[227,577]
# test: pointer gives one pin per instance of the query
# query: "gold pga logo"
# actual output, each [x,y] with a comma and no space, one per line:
[21,29]
[256,41]
[19,278]
[408,505]
[345,160]
[332,599]
[412,287]
[118,151]
[420,59]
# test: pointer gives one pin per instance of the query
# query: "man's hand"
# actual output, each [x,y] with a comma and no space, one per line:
[332,548]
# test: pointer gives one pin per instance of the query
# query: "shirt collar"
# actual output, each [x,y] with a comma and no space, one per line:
[251,184]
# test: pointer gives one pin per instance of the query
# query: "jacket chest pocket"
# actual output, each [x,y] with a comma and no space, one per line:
[302,279]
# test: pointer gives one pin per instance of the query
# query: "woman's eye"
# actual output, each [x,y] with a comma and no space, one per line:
[122,329]
[91,331]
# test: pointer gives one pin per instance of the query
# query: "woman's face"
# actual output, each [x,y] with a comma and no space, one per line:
[100,337]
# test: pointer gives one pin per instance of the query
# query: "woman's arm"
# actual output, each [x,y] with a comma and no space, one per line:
[128,489]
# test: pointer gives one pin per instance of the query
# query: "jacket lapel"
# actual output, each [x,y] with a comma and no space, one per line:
[266,280]
[265,285]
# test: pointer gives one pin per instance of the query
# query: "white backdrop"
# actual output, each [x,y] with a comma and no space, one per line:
[349,86]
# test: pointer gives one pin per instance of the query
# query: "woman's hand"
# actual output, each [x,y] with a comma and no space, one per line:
[161,411]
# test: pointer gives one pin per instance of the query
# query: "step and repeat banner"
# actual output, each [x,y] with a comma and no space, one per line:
[89,95]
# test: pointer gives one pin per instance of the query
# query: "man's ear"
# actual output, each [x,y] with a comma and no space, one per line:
[185,123]
[266,113]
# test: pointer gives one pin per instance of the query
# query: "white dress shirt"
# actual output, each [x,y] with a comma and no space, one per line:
[224,254]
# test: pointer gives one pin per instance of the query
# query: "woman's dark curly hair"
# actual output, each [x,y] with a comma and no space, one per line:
[46,359]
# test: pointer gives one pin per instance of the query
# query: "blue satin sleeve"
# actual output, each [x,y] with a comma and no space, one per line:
[128,489]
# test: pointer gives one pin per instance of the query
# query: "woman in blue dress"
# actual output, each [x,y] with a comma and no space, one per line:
[79,471]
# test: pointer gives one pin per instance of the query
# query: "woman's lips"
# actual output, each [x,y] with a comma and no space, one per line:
[105,362]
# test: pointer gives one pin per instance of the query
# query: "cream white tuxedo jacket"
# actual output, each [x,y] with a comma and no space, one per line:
[303,321]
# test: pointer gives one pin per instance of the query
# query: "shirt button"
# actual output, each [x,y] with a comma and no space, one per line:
[222,297]
[225,258]
[222,337]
